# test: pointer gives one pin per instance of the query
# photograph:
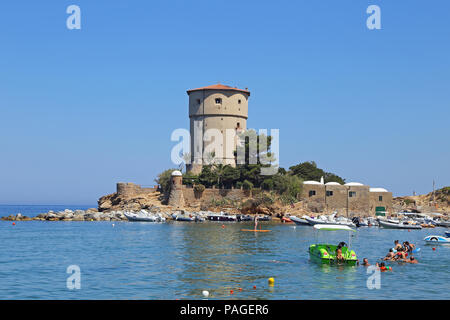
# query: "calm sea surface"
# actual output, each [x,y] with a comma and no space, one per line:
[177,260]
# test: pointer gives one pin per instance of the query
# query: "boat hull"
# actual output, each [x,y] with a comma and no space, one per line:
[389,225]
[299,221]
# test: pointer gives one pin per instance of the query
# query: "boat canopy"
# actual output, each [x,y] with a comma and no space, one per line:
[333,227]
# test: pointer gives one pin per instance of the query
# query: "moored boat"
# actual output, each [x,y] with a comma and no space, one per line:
[299,221]
[141,216]
[391,225]
[221,217]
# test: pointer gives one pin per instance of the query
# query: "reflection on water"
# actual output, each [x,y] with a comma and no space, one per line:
[178,260]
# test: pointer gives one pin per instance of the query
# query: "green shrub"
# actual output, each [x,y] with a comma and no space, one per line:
[199,188]
[247,185]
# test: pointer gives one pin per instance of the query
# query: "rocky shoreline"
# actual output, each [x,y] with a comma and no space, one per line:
[78,215]
[86,215]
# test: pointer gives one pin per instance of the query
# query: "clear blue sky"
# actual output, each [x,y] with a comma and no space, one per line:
[83,109]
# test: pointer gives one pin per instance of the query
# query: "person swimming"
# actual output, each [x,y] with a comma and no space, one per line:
[365,262]
[412,260]
[390,255]
[397,245]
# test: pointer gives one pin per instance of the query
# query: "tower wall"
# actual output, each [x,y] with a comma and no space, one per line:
[215,109]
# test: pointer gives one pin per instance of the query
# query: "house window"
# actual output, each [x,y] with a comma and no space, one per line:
[218,101]
[329,193]
[380,198]
[198,101]
[312,193]
[352,194]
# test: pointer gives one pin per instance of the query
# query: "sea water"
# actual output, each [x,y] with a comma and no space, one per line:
[178,260]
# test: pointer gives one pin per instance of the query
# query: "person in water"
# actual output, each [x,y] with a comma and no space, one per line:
[390,255]
[410,246]
[412,260]
[256,221]
[339,255]
[384,268]
[397,245]
[400,255]
[365,262]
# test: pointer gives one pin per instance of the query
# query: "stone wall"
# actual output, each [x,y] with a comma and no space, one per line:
[191,197]
[386,201]
[314,197]
[322,198]
[336,198]
[358,204]
[130,189]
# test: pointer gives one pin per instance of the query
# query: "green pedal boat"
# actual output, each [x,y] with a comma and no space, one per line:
[326,253]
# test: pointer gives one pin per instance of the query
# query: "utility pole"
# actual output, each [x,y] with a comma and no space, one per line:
[434,195]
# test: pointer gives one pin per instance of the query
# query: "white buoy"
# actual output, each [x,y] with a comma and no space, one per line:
[205,293]
[113,225]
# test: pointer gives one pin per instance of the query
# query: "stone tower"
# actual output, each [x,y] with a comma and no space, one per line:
[215,107]
[176,198]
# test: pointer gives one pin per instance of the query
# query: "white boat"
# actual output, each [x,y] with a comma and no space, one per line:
[222,216]
[141,216]
[341,221]
[299,221]
[445,224]
[401,225]
[187,216]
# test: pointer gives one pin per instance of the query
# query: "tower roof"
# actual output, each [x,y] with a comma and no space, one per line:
[219,87]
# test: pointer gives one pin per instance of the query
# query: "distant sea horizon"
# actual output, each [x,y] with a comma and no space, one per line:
[32,210]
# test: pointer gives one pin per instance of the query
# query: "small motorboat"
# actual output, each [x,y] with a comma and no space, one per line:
[437,240]
[447,234]
[187,216]
[141,216]
[264,218]
[445,224]
[221,217]
[244,217]
[299,221]
[400,225]
[286,220]
[331,221]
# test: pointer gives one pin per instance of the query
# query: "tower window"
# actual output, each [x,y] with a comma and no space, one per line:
[312,193]
[238,125]
[352,194]
[239,101]
[380,198]
[218,101]
[198,101]
[329,193]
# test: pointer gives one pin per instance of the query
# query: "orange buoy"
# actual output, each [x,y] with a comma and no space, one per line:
[434,249]
[14,223]
[231,291]
[240,289]
[254,287]
[223,226]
